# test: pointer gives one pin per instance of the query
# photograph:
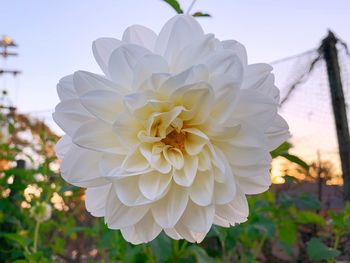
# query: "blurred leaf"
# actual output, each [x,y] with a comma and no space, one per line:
[161,248]
[296,159]
[16,238]
[175,5]
[200,14]
[317,250]
[200,254]
[307,201]
[282,149]
[288,231]
[308,217]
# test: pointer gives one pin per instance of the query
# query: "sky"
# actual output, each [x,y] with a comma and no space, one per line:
[55,37]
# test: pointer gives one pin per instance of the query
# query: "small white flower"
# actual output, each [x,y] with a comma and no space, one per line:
[174,134]
[41,212]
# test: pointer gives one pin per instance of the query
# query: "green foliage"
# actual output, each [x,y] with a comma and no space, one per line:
[177,7]
[317,250]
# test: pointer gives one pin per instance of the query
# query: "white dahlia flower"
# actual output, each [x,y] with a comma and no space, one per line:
[174,134]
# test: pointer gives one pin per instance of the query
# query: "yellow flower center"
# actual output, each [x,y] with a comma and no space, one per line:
[176,139]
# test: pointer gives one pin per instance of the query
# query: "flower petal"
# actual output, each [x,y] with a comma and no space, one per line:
[202,189]
[122,63]
[65,88]
[143,232]
[87,175]
[278,132]
[96,199]
[154,185]
[168,210]
[70,115]
[98,135]
[128,191]
[177,33]
[185,176]
[63,145]
[238,48]
[198,218]
[103,104]
[102,49]
[195,141]
[119,216]
[140,35]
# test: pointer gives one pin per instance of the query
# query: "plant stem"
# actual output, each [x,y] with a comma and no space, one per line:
[337,240]
[190,8]
[36,236]
[260,245]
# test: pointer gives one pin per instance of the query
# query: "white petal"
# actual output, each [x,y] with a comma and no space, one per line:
[171,232]
[65,88]
[70,115]
[128,191]
[86,81]
[255,109]
[174,156]
[143,232]
[141,36]
[148,65]
[63,145]
[168,210]
[109,162]
[98,135]
[102,49]
[122,62]
[238,48]
[186,175]
[195,141]
[119,216]
[154,185]
[177,33]
[236,211]
[103,104]
[195,52]
[135,162]
[96,199]
[278,132]
[188,234]
[87,175]
[202,189]
[198,218]
[255,75]
[225,61]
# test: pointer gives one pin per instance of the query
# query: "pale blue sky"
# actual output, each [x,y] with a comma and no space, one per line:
[55,36]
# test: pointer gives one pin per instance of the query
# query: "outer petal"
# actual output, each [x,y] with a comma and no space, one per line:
[141,36]
[278,132]
[98,135]
[198,218]
[102,49]
[238,48]
[154,185]
[236,211]
[103,104]
[65,88]
[119,216]
[96,199]
[188,234]
[168,210]
[86,175]
[186,175]
[63,145]
[144,231]
[202,189]
[122,62]
[85,81]
[70,115]
[177,33]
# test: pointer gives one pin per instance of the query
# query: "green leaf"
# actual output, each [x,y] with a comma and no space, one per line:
[161,248]
[308,217]
[16,238]
[200,14]
[282,149]
[288,231]
[200,254]
[317,250]
[295,159]
[175,5]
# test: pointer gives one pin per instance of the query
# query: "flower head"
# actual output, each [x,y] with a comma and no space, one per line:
[41,212]
[173,135]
